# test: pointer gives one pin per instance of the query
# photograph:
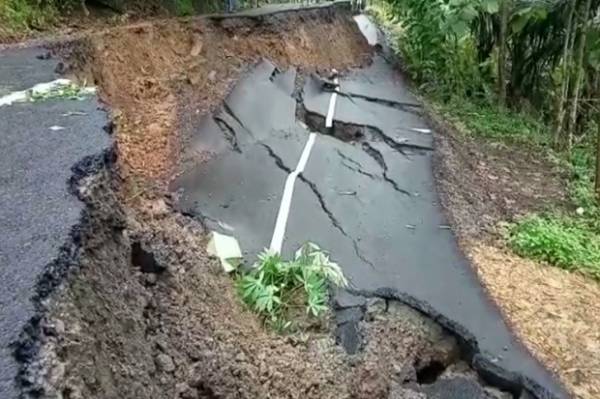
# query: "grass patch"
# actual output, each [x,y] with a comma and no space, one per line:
[277,289]
[490,121]
[18,16]
[567,242]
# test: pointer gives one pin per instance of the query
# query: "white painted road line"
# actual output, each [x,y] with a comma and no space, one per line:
[288,188]
[286,199]
[331,110]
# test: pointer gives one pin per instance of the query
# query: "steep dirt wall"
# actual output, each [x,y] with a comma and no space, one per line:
[160,78]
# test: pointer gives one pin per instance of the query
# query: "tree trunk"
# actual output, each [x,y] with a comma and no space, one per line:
[504,10]
[565,75]
[583,32]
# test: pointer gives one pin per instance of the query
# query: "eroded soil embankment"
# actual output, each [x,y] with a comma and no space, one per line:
[162,78]
[144,312]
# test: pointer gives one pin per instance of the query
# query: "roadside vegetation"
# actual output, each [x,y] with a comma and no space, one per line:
[19,18]
[284,292]
[23,15]
[520,72]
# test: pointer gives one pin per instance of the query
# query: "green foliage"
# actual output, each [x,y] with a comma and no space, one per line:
[486,120]
[562,241]
[439,52]
[274,287]
[18,16]
[184,7]
[22,15]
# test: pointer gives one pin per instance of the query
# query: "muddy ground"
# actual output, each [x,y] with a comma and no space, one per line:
[142,312]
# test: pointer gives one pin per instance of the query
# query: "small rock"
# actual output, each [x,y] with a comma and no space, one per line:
[161,343]
[189,393]
[376,306]
[240,357]
[344,299]
[347,315]
[59,327]
[278,375]
[185,391]
[348,335]
[194,79]
[405,373]
[165,363]
[212,76]
[181,387]
[150,279]
[196,47]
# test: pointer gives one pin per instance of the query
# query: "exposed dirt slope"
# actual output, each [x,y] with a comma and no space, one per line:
[160,78]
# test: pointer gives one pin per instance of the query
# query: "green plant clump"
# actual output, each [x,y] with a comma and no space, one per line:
[275,288]
[485,120]
[22,15]
[563,241]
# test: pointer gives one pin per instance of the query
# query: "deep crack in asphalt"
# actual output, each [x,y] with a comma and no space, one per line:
[229,133]
[378,157]
[313,187]
[401,105]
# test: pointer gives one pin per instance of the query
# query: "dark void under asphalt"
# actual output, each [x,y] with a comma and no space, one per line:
[371,201]
[38,208]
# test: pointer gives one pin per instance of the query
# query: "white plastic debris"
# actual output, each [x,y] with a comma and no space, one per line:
[227,249]
[56,128]
[40,89]
[420,130]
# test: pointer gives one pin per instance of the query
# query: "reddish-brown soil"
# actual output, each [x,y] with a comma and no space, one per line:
[160,78]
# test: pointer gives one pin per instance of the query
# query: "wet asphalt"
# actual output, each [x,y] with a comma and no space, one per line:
[370,201]
[37,207]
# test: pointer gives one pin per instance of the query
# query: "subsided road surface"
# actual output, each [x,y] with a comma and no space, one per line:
[367,195]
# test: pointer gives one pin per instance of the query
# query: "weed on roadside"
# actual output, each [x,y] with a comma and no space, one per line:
[485,120]
[563,241]
[275,288]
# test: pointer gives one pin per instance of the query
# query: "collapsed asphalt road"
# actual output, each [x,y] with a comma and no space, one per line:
[366,194]
[46,147]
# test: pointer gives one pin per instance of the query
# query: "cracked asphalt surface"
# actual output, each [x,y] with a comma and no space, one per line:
[38,209]
[370,200]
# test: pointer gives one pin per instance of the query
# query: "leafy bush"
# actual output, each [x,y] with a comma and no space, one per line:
[274,287]
[561,241]
[437,47]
